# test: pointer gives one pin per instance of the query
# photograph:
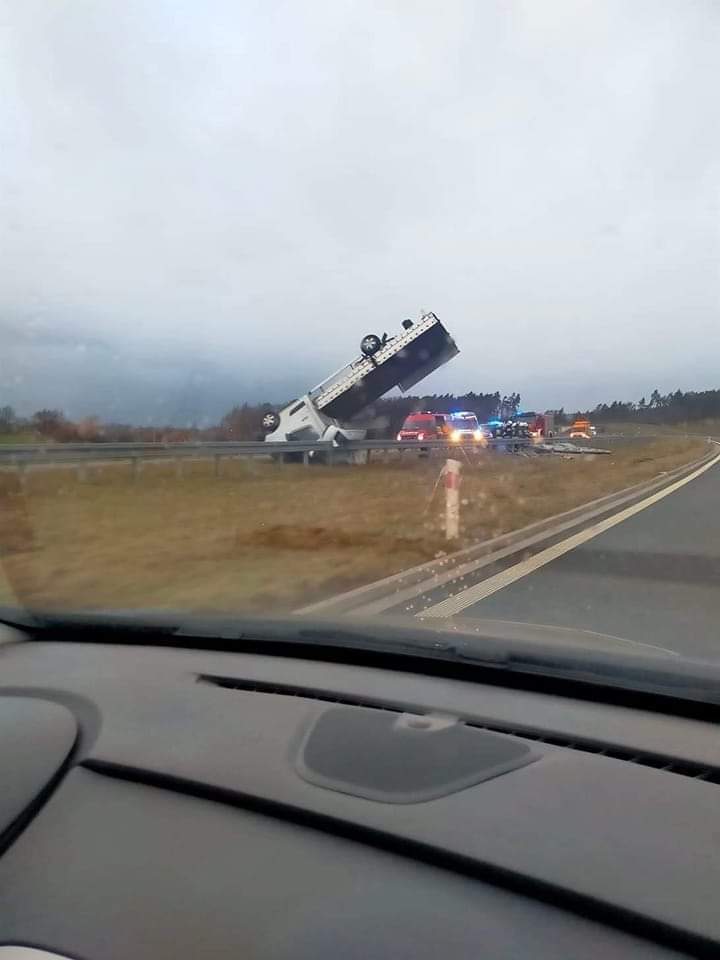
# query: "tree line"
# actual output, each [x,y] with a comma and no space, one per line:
[52,424]
[670,408]
[384,417]
[244,421]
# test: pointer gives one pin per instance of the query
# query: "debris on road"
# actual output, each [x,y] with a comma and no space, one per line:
[563,447]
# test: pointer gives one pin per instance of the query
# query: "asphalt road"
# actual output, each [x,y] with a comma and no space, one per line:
[654,578]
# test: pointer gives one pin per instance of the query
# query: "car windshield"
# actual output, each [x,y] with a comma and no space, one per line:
[443,217]
[464,421]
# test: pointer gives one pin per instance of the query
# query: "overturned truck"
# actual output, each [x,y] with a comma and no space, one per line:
[401,361]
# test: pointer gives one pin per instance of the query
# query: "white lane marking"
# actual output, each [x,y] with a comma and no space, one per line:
[478,592]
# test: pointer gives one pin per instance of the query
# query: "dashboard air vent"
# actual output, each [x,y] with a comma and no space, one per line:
[291,690]
[683,768]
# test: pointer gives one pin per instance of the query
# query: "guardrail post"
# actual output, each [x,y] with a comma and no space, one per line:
[218,466]
[306,458]
[135,467]
[22,474]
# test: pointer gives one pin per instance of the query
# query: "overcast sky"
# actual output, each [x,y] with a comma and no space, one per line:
[210,201]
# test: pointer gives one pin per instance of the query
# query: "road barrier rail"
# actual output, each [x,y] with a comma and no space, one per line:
[27,455]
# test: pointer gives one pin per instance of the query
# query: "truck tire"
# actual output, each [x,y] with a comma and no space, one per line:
[270,421]
[370,344]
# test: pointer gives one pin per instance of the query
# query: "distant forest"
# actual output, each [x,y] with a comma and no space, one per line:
[677,407]
[384,417]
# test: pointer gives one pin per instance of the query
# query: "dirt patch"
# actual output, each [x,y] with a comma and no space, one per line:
[271,537]
[286,537]
[305,538]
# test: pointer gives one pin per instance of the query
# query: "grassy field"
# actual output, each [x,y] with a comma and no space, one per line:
[272,537]
[709,427]
[26,437]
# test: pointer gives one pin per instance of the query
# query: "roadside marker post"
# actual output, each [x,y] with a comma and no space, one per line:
[452,499]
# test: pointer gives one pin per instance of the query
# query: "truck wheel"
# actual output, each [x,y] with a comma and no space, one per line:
[270,422]
[370,344]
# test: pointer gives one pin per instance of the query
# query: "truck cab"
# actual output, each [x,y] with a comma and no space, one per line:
[582,430]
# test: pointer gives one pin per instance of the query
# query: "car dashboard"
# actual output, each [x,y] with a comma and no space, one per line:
[160,802]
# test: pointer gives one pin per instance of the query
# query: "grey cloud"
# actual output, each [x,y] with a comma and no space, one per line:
[40,334]
[241,191]
[140,386]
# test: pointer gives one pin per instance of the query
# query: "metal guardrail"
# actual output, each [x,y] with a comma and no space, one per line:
[28,455]
[56,452]
[23,456]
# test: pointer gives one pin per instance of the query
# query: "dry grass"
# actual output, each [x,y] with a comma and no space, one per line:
[272,537]
[697,428]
